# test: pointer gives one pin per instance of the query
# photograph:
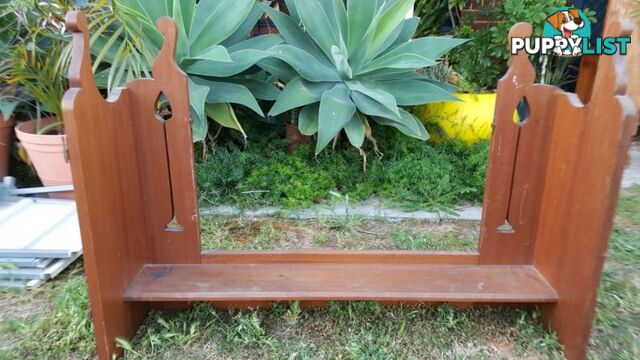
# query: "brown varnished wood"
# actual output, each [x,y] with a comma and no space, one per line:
[588,147]
[102,150]
[517,159]
[616,10]
[283,282]
[554,179]
[340,257]
[165,157]
[586,75]
[120,163]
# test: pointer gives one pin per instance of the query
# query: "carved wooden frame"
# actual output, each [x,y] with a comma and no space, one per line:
[554,179]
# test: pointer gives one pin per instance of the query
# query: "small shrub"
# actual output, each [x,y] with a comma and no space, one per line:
[289,181]
[223,173]
[470,162]
[424,179]
[411,173]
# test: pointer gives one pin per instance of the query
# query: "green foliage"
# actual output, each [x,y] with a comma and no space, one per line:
[119,51]
[33,67]
[30,47]
[247,330]
[474,61]
[289,181]
[432,184]
[220,177]
[214,51]
[483,60]
[346,65]
[9,36]
[471,162]
[433,14]
[412,173]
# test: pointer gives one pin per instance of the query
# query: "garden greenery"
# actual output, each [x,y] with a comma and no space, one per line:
[484,59]
[214,50]
[412,174]
[338,66]
[29,52]
[344,64]
[347,65]
[433,14]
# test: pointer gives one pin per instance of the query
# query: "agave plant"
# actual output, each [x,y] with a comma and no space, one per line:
[214,50]
[348,64]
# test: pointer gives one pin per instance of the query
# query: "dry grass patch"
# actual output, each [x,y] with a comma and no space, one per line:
[336,234]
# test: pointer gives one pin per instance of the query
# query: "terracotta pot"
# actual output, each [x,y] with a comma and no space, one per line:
[47,154]
[5,138]
[294,135]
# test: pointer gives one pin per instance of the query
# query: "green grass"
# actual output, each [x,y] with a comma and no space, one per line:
[357,330]
[443,242]
[58,326]
[616,332]
[412,173]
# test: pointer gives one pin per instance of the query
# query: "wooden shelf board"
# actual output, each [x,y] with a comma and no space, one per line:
[284,282]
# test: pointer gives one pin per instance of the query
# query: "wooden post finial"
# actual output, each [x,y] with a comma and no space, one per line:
[80,69]
[520,68]
[167,55]
[521,30]
[611,78]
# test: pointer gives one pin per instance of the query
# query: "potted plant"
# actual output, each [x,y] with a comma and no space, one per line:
[34,69]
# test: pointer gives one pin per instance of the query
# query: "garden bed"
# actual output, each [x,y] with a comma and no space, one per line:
[412,174]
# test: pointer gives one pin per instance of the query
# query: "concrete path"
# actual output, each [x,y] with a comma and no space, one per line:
[372,209]
[632,171]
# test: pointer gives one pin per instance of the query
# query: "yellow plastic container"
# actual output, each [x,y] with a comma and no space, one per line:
[468,120]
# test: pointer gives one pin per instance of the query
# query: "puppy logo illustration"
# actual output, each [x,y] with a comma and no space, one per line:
[566,21]
[570,24]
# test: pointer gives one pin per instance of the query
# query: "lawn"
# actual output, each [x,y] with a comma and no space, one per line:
[52,322]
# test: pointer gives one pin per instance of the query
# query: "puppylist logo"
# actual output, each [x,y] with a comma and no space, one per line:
[567,32]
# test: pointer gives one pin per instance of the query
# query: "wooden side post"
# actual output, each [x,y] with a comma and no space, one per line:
[588,151]
[616,10]
[108,195]
[165,156]
[517,160]
[134,180]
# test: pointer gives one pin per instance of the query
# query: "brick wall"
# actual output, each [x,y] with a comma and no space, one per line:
[473,9]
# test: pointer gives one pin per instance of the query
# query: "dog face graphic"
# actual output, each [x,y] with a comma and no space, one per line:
[566,21]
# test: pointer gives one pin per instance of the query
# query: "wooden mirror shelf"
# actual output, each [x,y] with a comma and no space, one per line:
[552,184]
